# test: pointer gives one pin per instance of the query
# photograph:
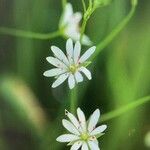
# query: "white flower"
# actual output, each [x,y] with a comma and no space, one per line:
[70,24]
[70,66]
[83,134]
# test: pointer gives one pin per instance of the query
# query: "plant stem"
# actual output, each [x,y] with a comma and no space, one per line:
[114,33]
[124,109]
[83,29]
[73,99]
[84,6]
[29,34]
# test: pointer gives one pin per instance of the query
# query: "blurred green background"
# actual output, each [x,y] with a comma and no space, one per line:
[31,111]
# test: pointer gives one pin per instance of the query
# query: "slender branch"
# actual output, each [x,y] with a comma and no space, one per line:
[29,34]
[83,29]
[84,6]
[73,99]
[114,33]
[124,109]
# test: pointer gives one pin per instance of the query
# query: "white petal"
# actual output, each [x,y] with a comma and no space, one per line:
[71,31]
[86,72]
[71,81]
[98,130]
[67,138]
[96,141]
[87,54]
[84,146]
[76,145]
[86,40]
[70,127]
[73,119]
[69,49]
[78,77]
[56,62]
[54,72]
[68,12]
[77,17]
[59,54]
[93,145]
[93,120]
[77,50]
[60,80]
[82,119]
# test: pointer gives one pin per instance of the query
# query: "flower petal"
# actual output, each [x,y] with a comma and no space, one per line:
[93,120]
[86,40]
[56,62]
[98,130]
[77,17]
[93,145]
[60,80]
[68,12]
[69,49]
[84,146]
[60,54]
[71,81]
[77,49]
[87,54]
[71,31]
[73,119]
[86,72]
[54,72]
[76,145]
[67,138]
[70,127]
[82,119]
[78,77]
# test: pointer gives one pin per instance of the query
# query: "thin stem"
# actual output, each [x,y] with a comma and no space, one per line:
[73,99]
[84,6]
[114,33]
[83,29]
[87,13]
[29,34]
[124,109]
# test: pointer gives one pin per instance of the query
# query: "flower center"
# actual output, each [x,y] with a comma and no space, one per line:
[84,136]
[73,68]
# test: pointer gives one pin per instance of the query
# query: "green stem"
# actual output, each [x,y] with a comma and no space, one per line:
[84,6]
[73,99]
[83,29]
[114,33]
[29,34]
[124,109]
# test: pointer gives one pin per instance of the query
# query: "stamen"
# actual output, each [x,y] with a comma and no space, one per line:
[73,68]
